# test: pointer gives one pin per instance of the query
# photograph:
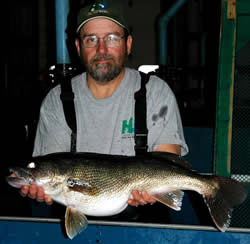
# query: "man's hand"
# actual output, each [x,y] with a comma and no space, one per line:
[35,192]
[140,198]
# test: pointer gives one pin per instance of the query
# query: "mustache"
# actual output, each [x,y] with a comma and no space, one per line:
[101,57]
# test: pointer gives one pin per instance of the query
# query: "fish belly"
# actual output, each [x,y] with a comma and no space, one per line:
[104,207]
[94,206]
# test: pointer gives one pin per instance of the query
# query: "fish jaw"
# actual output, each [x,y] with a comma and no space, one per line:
[19,177]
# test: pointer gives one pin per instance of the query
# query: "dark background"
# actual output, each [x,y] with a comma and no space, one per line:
[28,49]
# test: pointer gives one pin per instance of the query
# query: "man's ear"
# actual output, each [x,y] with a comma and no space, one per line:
[77,43]
[129,44]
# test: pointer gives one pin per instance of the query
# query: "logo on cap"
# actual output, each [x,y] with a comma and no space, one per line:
[98,6]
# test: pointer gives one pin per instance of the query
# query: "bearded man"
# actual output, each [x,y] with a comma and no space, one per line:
[104,100]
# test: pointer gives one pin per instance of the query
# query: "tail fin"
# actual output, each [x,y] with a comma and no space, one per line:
[229,194]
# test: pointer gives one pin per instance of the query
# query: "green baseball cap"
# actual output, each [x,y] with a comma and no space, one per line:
[101,9]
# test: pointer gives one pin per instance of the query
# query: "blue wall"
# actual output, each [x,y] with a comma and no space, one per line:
[37,233]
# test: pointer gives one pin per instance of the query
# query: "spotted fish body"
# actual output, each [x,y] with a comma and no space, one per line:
[100,185]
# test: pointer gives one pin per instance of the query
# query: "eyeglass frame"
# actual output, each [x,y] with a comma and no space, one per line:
[103,38]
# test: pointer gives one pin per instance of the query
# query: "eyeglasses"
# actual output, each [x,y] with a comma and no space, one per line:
[110,40]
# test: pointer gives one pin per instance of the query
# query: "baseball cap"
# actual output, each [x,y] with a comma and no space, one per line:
[101,9]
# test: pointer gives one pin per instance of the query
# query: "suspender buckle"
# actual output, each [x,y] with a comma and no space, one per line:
[141,142]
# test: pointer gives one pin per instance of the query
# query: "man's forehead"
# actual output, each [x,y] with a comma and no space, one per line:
[101,25]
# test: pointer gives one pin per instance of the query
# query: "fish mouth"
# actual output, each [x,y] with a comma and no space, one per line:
[19,177]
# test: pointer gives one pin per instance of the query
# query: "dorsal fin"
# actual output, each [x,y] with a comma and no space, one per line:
[173,158]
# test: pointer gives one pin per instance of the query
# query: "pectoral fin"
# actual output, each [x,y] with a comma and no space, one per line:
[75,222]
[78,185]
[172,199]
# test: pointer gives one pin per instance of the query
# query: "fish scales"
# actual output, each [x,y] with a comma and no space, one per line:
[130,175]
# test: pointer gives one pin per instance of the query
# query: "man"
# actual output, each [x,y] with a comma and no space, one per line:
[104,100]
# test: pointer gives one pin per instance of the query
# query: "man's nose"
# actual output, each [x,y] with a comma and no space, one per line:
[101,48]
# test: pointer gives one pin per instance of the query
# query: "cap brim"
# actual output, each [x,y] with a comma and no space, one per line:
[96,17]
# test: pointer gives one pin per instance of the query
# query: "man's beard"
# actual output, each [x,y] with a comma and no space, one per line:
[105,72]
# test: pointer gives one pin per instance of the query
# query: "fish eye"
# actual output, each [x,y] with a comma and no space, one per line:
[31,165]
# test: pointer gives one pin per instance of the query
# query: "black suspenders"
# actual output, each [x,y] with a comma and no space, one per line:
[67,97]
[141,131]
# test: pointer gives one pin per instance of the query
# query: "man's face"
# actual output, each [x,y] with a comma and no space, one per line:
[103,63]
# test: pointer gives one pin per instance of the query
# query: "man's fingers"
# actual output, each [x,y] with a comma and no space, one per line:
[132,202]
[24,191]
[48,199]
[138,197]
[40,194]
[33,191]
[147,197]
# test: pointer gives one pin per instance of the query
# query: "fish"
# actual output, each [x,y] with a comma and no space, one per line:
[91,184]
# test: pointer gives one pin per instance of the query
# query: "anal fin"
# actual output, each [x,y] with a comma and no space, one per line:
[172,199]
[75,222]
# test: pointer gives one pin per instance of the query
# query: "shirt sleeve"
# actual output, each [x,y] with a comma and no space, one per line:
[164,121]
[53,134]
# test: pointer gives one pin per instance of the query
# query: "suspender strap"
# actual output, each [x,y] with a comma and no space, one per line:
[67,97]
[141,131]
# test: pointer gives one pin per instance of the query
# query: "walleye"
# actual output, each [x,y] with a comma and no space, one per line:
[100,185]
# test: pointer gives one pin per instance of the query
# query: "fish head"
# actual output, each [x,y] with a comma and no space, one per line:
[20,176]
[43,174]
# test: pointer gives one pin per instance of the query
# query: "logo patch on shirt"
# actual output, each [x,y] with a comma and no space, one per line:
[128,128]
